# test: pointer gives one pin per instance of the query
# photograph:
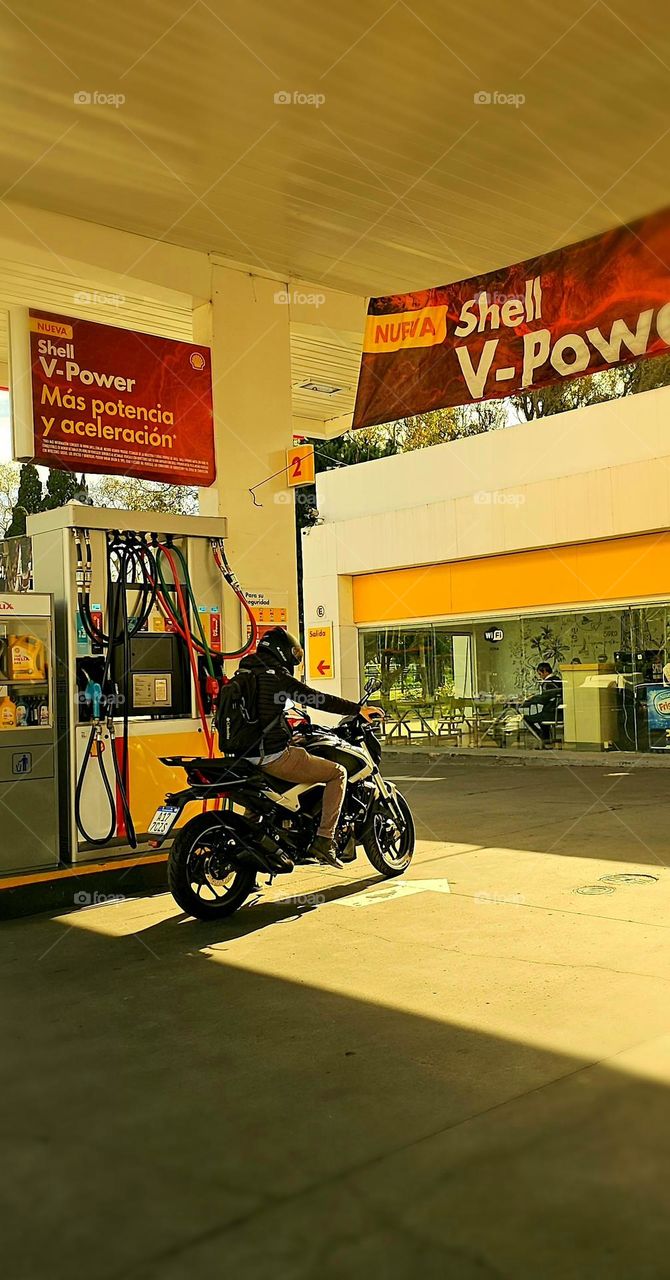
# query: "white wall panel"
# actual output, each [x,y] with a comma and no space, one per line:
[592,439]
[601,504]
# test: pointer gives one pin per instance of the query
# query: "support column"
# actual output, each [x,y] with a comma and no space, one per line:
[329,600]
[251,366]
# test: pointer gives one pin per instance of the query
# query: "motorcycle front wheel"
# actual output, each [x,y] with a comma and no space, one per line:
[202,874]
[388,841]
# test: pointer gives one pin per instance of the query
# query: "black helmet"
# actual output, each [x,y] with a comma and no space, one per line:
[281,646]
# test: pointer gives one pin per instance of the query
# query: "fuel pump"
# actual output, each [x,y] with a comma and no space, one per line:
[140,655]
[125,560]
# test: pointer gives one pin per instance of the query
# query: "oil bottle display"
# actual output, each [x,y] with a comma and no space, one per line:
[28,796]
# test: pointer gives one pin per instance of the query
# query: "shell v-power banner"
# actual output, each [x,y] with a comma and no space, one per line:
[578,310]
[91,397]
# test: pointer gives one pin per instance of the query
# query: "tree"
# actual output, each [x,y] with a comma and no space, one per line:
[9,487]
[29,499]
[441,425]
[645,375]
[62,487]
[611,384]
[132,494]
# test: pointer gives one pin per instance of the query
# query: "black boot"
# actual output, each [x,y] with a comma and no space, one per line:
[324,851]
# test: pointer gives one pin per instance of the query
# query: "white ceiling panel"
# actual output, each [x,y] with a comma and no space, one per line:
[397,179]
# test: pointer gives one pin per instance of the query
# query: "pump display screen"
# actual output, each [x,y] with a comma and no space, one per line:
[153,691]
[158,674]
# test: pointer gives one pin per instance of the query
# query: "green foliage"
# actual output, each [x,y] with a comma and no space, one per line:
[612,384]
[132,494]
[63,487]
[30,495]
[22,494]
[29,499]
[645,375]
[10,473]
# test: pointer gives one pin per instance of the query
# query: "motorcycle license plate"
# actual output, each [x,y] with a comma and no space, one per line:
[163,820]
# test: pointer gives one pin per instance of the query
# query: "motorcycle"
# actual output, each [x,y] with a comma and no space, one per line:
[217,855]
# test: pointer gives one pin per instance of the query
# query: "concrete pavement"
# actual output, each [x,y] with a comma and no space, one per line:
[365,1080]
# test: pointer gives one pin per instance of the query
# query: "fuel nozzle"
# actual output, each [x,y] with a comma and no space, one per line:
[212,687]
[112,701]
[93,697]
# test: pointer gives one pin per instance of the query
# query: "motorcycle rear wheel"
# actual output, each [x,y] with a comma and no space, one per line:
[389,845]
[202,876]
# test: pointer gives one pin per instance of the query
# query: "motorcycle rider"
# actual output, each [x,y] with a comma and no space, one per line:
[277,656]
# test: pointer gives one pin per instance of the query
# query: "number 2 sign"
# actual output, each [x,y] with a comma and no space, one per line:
[300,465]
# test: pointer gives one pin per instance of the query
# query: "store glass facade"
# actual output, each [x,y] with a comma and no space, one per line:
[474,683]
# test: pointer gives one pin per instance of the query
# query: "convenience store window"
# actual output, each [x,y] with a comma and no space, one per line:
[470,679]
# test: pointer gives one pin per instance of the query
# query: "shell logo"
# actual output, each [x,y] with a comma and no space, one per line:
[197,360]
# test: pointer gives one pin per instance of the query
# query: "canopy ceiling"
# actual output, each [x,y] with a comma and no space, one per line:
[399,179]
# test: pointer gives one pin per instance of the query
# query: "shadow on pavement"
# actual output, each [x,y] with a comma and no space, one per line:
[259,913]
[576,812]
[171,1115]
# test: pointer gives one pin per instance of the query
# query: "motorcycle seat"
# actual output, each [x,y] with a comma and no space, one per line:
[229,771]
[220,768]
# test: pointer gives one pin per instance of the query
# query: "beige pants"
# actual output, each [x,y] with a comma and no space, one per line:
[297,765]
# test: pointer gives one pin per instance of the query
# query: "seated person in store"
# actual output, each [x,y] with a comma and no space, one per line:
[542,707]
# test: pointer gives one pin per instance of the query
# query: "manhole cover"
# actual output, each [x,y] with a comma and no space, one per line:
[594,888]
[630,877]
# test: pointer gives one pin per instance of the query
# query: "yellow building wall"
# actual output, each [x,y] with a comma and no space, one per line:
[582,573]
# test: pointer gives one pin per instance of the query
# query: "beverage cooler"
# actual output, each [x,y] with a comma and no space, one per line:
[28,800]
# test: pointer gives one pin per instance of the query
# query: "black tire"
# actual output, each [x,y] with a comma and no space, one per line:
[389,852]
[197,866]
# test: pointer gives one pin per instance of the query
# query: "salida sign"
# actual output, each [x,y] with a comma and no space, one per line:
[90,397]
[588,307]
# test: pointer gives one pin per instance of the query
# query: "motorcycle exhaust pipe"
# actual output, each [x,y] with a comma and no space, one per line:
[272,860]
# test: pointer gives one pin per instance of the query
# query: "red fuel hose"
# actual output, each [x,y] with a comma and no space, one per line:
[191,645]
[221,561]
[226,572]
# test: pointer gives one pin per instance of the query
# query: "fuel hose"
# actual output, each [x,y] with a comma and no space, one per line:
[127,556]
[131,557]
[167,552]
[223,565]
[99,841]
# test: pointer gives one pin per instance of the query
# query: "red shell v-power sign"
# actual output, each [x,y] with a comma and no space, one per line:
[578,310]
[91,397]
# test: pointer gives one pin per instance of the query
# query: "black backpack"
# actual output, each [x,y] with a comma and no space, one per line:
[237,722]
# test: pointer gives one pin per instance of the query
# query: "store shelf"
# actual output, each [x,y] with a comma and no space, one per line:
[21,728]
[23,680]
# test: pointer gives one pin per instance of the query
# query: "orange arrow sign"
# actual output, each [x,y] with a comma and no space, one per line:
[320,652]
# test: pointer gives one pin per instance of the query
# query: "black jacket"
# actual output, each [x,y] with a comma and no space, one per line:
[551,690]
[275,685]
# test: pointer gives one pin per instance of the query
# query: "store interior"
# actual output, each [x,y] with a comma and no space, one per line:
[603,684]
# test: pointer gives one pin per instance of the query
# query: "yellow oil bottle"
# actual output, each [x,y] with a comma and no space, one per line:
[7,710]
[26,658]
